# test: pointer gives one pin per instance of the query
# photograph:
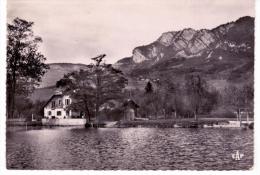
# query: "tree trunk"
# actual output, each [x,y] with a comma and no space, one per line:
[9,102]
[13,83]
[97,96]
[247,116]
[12,93]
[87,112]
[240,118]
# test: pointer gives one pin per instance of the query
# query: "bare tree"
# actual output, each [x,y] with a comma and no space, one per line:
[196,92]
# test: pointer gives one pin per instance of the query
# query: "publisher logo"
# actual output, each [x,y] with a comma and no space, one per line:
[237,155]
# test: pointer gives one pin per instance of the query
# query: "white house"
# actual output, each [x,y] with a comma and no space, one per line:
[55,108]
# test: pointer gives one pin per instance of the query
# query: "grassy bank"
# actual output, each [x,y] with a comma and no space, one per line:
[171,123]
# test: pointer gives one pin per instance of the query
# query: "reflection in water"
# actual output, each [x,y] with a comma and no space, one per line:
[129,148]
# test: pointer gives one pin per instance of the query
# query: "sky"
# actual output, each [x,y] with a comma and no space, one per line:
[76,30]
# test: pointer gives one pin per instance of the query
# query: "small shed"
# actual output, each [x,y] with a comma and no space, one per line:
[130,110]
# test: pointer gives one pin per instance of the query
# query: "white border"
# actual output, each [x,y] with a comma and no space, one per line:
[2,83]
[4,171]
[257,85]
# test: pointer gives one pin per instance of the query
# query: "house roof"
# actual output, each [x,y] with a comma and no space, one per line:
[131,103]
[55,95]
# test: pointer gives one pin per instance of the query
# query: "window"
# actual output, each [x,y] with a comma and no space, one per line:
[67,101]
[49,113]
[58,113]
[59,102]
[53,104]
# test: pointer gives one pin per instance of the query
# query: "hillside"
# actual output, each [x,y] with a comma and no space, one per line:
[223,54]
[56,72]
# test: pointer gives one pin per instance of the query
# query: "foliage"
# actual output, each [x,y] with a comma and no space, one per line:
[23,108]
[200,99]
[157,102]
[152,104]
[149,87]
[239,96]
[25,64]
[94,87]
[222,112]
[63,82]
[38,107]
[175,99]
[115,114]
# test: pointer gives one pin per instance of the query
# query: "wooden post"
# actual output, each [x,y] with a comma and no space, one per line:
[247,116]
[239,117]
[124,114]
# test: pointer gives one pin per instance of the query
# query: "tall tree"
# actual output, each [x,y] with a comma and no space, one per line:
[79,85]
[239,97]
[197,92]
[149,87]
[25,64]
[94,86]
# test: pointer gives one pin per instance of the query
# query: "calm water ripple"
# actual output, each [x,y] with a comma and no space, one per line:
[129,148]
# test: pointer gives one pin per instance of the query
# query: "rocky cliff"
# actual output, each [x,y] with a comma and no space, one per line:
[221,55]
[188,43]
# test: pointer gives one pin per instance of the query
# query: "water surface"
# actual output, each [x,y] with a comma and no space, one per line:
[129,148]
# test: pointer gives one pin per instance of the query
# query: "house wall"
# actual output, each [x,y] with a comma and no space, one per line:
[129,114]
[54,113]
[58,107]
[64,122]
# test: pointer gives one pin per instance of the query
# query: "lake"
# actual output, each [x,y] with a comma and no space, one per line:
[129,148]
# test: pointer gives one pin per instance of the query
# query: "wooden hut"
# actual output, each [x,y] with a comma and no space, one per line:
[130,110]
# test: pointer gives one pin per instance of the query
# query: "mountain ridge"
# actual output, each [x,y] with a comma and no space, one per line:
[189,43]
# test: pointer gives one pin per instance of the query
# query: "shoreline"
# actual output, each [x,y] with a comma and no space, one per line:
[202,123]
[159,123]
